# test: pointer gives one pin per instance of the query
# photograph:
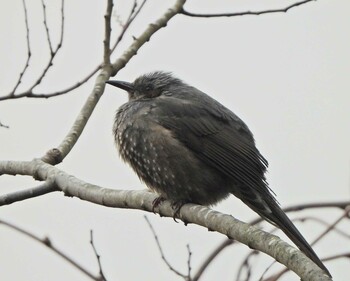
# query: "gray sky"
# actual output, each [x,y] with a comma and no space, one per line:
[285,75]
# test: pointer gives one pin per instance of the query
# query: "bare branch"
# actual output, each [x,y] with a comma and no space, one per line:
[189,268]
[133,14]
[332,226]
[32,192]
[121,62]
[85,113]
[189,213]
[54,94]
[146,36]
[47,242]
[246,265]
[30,94]
[46,27]
[79,124]
[323,222]
[53,53]
[341,205]
[162,253]
[338,256]
[107,40]
[282,10]
[330,258]
[211,257]
[98,257]
[29,53]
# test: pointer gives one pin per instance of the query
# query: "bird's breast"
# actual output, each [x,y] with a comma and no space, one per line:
[146,146]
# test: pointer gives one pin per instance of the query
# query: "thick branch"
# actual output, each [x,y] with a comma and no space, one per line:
[107,40]
[80,122]
[190,213]
[39,190]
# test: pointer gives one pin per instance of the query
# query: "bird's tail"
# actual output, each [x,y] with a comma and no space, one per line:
[270,211]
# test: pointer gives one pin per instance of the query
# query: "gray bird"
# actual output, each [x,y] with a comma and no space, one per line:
[189,148]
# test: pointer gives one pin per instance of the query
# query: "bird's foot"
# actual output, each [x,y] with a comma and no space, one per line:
[177,207]
[156,202]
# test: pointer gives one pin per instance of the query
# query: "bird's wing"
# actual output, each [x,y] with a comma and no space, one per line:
[216,136]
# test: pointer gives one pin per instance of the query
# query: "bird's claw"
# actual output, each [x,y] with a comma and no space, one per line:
[177,207]
[156,202]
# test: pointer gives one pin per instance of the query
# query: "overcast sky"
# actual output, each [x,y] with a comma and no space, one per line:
[285,75]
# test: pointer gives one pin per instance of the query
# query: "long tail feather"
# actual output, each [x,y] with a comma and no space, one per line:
[268,208]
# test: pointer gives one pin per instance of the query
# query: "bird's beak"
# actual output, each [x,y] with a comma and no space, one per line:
[129,87]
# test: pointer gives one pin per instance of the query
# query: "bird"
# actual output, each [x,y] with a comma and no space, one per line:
[189,148]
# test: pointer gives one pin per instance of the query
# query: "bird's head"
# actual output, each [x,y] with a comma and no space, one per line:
[149,85]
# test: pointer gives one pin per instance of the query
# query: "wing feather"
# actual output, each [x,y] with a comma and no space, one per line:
[217,137]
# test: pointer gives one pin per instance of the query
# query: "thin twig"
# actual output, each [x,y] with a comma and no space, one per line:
[54,94]
[323,222]
[132,15]
[282,10]
[29,93]
[330,228]
[29,53]
[246,265]
[338,256]
[124,26]
[162,253]
[47,242]
[211,257]
[274,277]
[296,208]
[53,53]
[46,27]
[98,257]
[189,268]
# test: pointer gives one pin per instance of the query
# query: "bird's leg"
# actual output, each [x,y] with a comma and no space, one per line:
[156,202]
[177,207]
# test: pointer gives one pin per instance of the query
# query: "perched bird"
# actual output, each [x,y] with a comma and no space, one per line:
[189,148]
